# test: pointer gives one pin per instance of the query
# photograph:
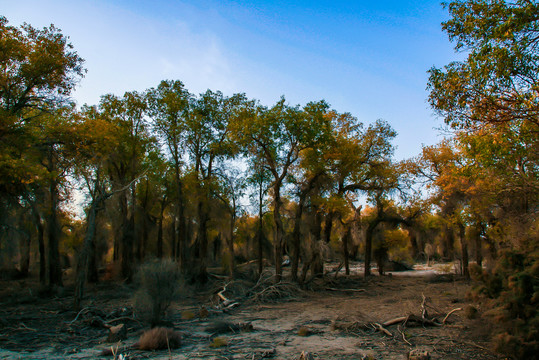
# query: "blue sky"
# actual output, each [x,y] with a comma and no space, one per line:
[369,58]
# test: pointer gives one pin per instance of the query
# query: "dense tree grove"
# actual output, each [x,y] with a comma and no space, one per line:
[166,173]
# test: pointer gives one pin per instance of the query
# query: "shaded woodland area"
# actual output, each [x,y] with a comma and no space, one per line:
[213,181]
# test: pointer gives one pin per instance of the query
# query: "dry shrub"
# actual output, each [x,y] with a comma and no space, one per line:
[471,312]
[266,290]
[159,338]
[159,284]
[513,286]
[304,331]
[188,315]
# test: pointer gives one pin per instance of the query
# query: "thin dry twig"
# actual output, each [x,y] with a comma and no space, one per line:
[403,336]
[449,313]
[76,317]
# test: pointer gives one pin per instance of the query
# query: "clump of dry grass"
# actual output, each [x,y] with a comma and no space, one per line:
[159,338]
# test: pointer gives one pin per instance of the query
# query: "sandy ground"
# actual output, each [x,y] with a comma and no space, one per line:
[334,322]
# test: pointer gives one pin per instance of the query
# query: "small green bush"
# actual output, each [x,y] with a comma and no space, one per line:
[159,283]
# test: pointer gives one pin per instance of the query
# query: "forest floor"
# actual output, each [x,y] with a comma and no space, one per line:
[334,318]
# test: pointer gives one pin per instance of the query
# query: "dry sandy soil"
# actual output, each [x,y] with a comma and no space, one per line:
[333,319]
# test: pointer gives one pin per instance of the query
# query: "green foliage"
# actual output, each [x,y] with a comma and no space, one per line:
[159,283]
[38,70]
[498,81]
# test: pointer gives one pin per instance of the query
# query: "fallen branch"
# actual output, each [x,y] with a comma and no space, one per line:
[449,313]
[76,317]
[26,327]
[109,323]
[382,329]
[395,321]
[227,303]
[351,290]
[422,321]
[411,318]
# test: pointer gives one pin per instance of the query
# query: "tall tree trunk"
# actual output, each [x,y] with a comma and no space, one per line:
[24,248]
[173,239]
[160,236]
[448,243]
[160,229]
[478,246]
[180,238]
[368,246]
[202,237]
[260,233]
[82,263]
[328,226]
[413,242]
[317,266]
[345,241]
[464,248]
[38,220]
[42,257]
[93,261]
[128,229]
[278,233]
[296,239]
[231,244]
[144,240]
[55,270]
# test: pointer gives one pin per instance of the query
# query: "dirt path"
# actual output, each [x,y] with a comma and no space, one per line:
[332,323]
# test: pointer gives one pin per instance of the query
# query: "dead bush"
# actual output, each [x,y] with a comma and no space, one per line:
[159,283]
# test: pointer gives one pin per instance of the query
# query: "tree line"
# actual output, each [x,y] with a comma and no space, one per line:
[167,173]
